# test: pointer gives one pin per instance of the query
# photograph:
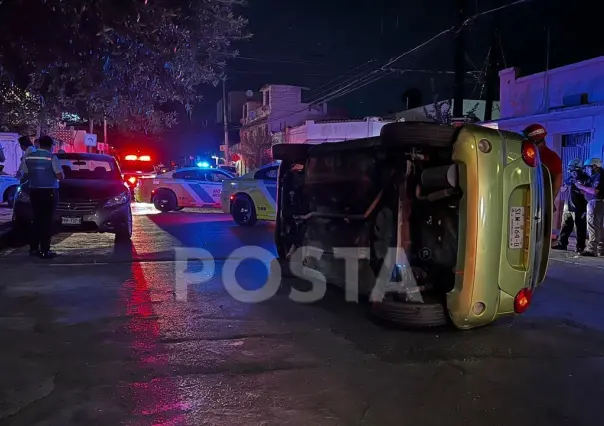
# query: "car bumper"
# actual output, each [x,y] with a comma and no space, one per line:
[110,220]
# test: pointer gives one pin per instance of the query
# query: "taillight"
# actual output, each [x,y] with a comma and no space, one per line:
[529,153]
[522,300]
[132,180]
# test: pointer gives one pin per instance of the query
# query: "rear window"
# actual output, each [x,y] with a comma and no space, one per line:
[74,168]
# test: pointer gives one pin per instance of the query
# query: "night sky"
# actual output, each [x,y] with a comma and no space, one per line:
[311,42]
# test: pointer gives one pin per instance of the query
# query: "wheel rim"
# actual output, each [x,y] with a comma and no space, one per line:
[242,210]
[163,202]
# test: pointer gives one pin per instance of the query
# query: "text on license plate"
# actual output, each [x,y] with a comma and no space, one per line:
[516,227]
[71,220]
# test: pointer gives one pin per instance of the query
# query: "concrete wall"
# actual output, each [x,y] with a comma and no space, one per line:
[538,93]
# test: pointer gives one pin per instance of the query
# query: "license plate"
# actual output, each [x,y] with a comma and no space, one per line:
[516,227]
[71,220]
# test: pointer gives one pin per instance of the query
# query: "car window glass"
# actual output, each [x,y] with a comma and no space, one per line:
[215,177]
[267,174]
[187,175]
[77,168]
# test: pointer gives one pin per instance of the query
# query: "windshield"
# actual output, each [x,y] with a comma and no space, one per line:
[75,168]
[137,167]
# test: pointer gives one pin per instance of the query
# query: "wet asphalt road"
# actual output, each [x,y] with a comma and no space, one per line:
[97,337]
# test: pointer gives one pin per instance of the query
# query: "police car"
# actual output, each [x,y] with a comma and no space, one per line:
[8,189]
[251,197]
[187,187]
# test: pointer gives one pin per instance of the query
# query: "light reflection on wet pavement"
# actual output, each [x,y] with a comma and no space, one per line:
[97,337]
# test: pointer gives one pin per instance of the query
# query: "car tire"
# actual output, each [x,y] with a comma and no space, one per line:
[411,315]
[178,209]
[9,195]
[125,233]
[418,134]
[165,201]
[243,211]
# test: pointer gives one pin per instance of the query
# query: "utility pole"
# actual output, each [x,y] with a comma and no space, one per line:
[224,121]
[492,71]
[460,50]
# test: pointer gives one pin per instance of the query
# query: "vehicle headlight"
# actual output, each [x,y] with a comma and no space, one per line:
[22,197]
[118,200]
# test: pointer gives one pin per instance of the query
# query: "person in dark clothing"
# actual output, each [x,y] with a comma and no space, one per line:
[43,172]
[575,208]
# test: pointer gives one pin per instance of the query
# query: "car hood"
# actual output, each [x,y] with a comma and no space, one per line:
[89,189]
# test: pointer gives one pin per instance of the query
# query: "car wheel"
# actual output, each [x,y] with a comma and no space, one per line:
[244,211]
[125,233]
[178,208]
[411,315]
[165,201]
[9,196]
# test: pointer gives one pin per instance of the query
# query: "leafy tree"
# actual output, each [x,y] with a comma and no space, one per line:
[442,112]
[255,146]
[126,61]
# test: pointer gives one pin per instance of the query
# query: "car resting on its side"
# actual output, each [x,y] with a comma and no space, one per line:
[92,198]
[436,223]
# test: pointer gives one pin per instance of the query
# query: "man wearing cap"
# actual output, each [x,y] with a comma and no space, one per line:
[575,207]
[536,133]
[594,193]
[44,172]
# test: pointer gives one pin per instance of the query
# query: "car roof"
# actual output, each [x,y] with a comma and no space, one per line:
[187,169]
[85,156]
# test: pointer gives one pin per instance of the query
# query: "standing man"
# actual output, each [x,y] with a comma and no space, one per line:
[594,193]
[27,147]
[536,133]
[44,172]
[575,208]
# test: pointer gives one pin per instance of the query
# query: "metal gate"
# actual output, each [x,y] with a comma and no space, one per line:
[574,145]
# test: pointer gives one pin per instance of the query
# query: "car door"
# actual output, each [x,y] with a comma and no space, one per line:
[187,184]
[213,184]
[267,185]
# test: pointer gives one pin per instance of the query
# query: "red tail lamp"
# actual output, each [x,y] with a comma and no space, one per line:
[131,158]
[144,158]
[529,153]
[523,300]
[132,180]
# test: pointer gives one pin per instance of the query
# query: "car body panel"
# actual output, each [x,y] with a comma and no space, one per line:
[6,182]
[263,192]
[489,270]
[83,201]
[193,191]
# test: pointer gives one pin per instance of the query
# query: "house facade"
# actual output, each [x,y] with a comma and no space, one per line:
[264,120]
[314,132]
[568,101]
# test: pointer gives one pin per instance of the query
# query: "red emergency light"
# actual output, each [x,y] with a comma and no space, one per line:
[132,180]
[137,158]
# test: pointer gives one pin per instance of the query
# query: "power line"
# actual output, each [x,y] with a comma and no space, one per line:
[382,72]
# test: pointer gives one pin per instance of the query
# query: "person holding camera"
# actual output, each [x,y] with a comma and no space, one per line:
[575,208]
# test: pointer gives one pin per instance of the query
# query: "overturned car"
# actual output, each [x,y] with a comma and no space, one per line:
[434,223]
